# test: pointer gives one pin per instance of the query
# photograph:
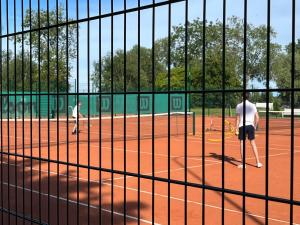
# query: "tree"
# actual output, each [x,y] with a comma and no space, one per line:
[38,44]
[234,61]
[283,73]
[256,47]
[131,70]
[20,64]
[212,77]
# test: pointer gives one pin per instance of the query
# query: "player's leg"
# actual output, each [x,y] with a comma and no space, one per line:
[242,139]
[254,149]
[75,126]
[251,136]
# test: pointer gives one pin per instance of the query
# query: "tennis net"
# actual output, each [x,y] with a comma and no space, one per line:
[42,132]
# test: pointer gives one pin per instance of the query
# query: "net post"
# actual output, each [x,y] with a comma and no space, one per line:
[194,123]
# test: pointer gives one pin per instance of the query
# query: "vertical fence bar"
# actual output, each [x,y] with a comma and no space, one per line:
[125,111]
[169,129]
[67,101]
[1,116]
[223,107]
[244,108]
[203,108]
[88,79]
[57,113]
[39,111]
[267,111]
[23,115]
[292,110]
[153,111]
[31,135]
[112,109]
[16,127]
[48,110]
[185,111]
[77,100]
[8,112]
[100,115]
[139,112]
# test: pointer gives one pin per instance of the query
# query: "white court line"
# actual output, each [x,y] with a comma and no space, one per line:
[206,164]
[144,192]
[80,203]
[135,151]
[193,139]
[214,162]
[233,143]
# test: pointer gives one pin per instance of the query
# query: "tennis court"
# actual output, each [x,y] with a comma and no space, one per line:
[63,184]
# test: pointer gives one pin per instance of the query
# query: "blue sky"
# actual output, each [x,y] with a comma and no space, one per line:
[257,14]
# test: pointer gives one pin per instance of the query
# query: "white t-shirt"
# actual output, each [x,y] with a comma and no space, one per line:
[249,114]
[74,114]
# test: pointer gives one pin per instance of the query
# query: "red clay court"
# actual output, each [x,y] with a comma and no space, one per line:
[49,175]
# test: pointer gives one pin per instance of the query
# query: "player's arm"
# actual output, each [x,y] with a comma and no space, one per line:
[237,123]
[256,119]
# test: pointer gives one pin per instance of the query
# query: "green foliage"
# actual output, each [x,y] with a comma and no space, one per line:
[282,70]
[131,71]
[256,47]
[36,52]
[15,80]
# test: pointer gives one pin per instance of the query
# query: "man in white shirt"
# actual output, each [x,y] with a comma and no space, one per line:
[251,122]
[75,117]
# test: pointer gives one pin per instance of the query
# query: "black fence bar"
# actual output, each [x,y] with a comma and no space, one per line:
[153,110]
[139,112]
[186,61]
[39,115]
[77,101]
[112,109]
[102,16]
[57,123]
[100,115]
[1,138]
[88,115]
[203,108]
[48,117]
[223,106]
[23,217]
[67,131]
[16,132]
[8,127]
[189,184]
[244,107]
[169,111]
[31,111]
[267,114]
[293,72]
[125,123]
[207,91]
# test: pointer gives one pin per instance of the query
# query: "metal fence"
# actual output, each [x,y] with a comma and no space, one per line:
[53,174]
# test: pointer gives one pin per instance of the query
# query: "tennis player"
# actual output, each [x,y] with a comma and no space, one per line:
[75,117]
[251,123]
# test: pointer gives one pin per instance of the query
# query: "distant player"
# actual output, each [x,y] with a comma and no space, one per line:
[75,116]
[251,123]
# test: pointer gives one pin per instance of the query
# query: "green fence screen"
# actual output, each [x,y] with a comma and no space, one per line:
[37,104]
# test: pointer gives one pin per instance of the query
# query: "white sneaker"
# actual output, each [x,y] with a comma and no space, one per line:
[259,165]
[241,166]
